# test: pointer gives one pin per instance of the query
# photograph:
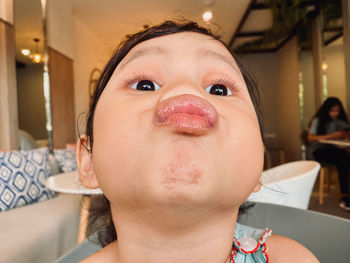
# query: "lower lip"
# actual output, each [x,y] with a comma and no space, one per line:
[188,123]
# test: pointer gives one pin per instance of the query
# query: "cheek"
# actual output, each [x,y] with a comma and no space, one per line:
[243,154]
[119,130]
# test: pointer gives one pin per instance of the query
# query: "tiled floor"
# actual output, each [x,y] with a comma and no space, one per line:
[331,200]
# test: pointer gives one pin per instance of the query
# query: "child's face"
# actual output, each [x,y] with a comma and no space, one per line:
[165,147]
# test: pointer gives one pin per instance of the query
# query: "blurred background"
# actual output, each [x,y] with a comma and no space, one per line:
[52,53]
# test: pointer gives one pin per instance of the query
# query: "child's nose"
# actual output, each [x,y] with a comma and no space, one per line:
[186,114]
[182,85]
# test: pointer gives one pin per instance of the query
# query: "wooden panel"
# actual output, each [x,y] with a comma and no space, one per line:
[62,99]
[8,89]
[288,100]
[317,57]
[346,34]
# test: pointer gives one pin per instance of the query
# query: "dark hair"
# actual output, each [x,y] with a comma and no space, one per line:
[323,114]
[100,213]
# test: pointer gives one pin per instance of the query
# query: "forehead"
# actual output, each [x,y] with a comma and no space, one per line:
[185,38]
[185,43]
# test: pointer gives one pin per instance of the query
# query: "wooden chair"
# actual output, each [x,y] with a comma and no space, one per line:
[326,170]
[274,157]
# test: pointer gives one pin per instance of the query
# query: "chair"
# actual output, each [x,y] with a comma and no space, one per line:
[328,237]
[83,250]
[270,157]
[326,169]
[288,184]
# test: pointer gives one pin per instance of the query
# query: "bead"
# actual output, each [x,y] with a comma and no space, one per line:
[248,243]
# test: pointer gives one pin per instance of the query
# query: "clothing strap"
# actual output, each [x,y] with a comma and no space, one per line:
[249,245]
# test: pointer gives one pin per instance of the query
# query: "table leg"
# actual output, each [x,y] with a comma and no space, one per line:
[320,191]
[84,217]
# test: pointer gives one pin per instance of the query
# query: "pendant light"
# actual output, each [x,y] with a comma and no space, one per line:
[36,57]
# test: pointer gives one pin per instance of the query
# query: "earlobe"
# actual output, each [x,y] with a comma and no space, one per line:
[257,187]
[86,171]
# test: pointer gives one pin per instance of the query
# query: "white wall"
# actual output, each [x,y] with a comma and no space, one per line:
[8,91]
[277,77]
[60,27]
[288,100]
[263,66]
[90,53]
[69,36]
[6,11]
[306,68]
[334,57]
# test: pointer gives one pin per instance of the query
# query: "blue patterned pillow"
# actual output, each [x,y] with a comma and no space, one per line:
[66,159]
[22,178]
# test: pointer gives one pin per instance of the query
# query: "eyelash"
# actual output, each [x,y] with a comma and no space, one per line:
[138,77]
[231,84]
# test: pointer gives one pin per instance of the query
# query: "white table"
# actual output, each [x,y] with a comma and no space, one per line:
[69,183]
[339,143]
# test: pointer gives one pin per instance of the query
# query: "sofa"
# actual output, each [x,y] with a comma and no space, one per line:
[40,232]
[40,228]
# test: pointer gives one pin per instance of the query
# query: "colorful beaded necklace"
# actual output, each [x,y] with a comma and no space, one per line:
[249,246]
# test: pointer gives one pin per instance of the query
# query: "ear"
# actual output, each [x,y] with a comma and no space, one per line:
[85,166]
[257,186]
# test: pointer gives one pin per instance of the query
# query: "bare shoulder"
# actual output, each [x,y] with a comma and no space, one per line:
[284,250]
[94,258]
[89,259]
[104,255]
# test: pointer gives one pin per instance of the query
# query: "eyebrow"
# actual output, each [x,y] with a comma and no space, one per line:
[143,52]
[220,56]
[146,51]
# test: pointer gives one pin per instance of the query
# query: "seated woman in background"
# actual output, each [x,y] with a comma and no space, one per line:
[330,122]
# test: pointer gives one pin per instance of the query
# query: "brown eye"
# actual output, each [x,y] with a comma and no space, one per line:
[218,89]
[145,85]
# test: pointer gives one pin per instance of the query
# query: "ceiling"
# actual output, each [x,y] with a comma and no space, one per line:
[258,31]
[238,21]
[28,25]
[110,20]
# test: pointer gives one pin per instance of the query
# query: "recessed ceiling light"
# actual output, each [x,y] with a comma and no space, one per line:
[207,16]
[25,51]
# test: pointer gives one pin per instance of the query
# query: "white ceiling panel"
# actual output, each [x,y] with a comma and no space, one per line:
[258,20]
[110,20]
[242,40]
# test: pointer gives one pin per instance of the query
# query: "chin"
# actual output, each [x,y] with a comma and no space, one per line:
[181,177]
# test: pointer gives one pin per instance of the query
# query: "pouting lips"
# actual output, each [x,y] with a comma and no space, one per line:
[187,114]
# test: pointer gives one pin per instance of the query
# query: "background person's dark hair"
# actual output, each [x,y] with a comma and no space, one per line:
[100,213]
[323,114]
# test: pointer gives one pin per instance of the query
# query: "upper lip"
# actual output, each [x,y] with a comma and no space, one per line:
[188,104]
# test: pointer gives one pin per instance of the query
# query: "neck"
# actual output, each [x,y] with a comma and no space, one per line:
[207,240]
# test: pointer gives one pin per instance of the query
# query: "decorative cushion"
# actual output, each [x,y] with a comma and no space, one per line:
[72,146]
[66,159]
[22,178]
[26,141]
